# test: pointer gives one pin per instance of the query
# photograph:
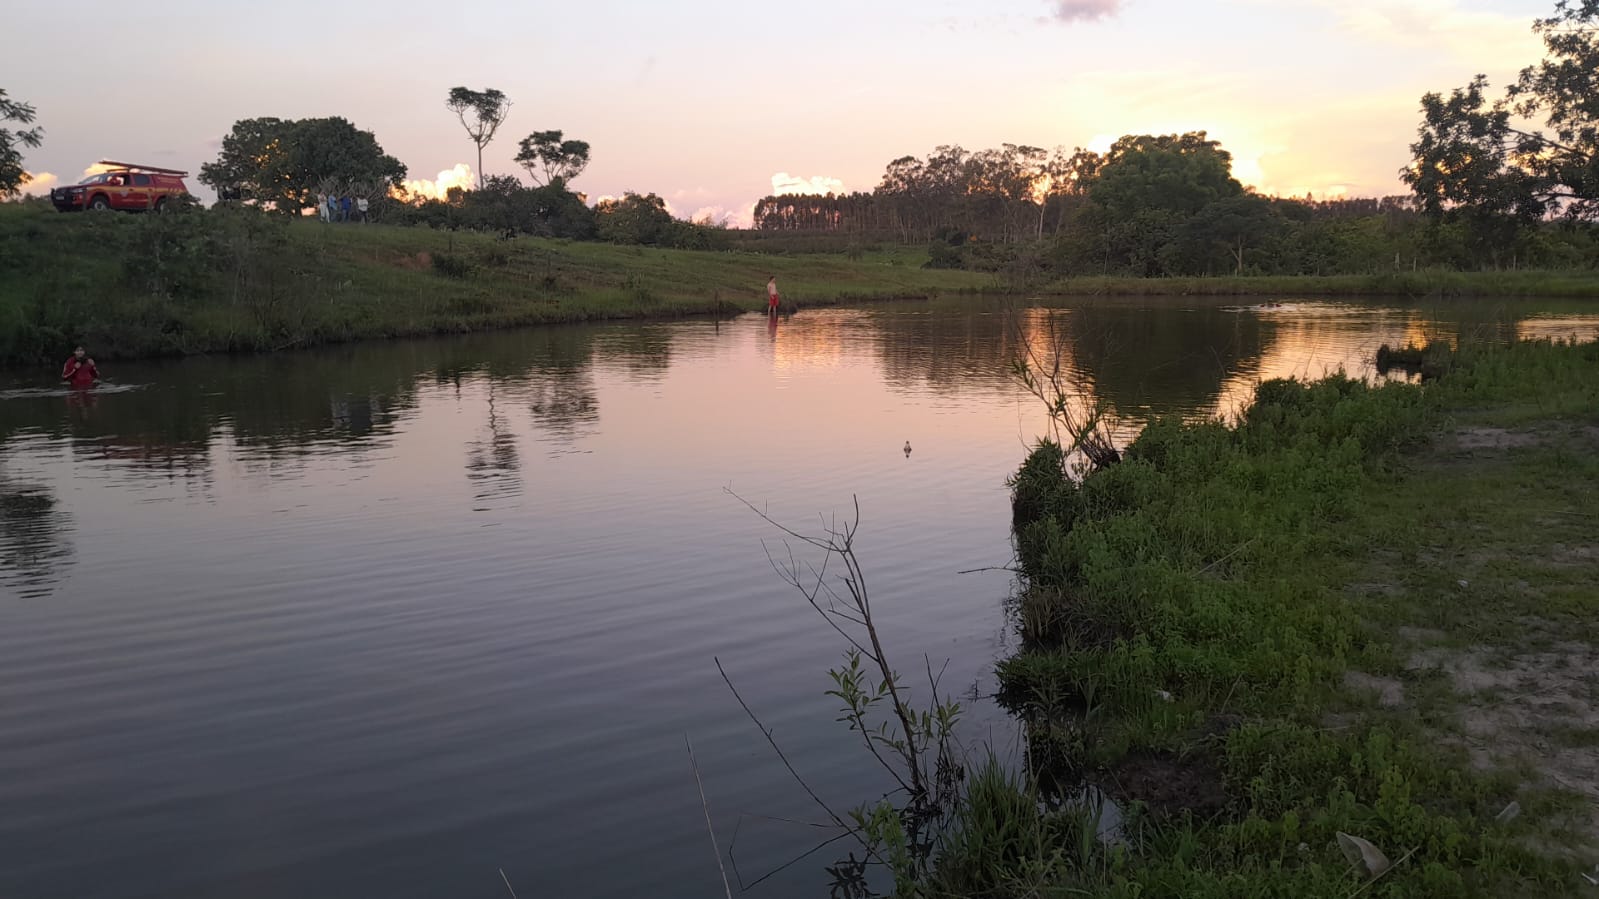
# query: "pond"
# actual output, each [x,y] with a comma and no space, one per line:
[386,619]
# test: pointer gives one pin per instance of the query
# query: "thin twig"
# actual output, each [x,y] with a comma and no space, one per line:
[931,680]
[991,568]
[784,866]
[705,803]
[1236,550]
[507,883]
[820,825]
[767,733]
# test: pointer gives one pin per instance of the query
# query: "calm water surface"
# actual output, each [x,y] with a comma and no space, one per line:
[385,619]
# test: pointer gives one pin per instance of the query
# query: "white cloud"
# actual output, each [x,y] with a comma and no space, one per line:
[39,184]
[1084,10]
[43,181]
[741,217]
[784,184]
[458,176]
[1488,40]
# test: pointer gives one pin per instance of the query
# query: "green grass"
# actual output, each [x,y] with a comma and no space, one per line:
[1424,283]
[216,282]
[1191,614]
[220,281]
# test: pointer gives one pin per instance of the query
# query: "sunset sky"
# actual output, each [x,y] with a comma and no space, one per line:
[714,103]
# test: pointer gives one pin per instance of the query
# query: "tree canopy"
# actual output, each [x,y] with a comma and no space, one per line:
[12,174]
[635,218]
[481,114]
[1488,163]
[1175,173]
[284,162]
[551,159]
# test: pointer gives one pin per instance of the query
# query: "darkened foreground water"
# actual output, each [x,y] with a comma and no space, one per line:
[381,620]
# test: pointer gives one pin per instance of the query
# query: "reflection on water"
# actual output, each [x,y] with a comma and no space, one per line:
[383,619]
[493,460]
[33,538]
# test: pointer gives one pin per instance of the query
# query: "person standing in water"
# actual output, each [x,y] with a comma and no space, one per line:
[79,370]
[772,300]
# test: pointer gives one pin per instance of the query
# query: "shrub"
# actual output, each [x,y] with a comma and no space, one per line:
[451,265]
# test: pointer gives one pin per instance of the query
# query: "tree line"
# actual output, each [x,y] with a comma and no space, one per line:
[282,165]
[1491,186]
[1488,190]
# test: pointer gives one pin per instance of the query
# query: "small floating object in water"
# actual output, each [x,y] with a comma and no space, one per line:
[907,447]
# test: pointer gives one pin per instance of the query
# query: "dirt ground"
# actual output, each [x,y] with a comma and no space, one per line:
[1505,579]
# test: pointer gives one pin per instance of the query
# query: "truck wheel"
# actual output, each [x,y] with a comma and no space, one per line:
[161,205]
[100,203]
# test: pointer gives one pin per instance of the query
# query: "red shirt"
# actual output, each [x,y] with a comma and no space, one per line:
[80,374]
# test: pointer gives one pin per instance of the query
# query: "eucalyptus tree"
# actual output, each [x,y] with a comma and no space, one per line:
[481,114]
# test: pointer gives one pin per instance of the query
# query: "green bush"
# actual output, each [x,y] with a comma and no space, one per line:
[452,265]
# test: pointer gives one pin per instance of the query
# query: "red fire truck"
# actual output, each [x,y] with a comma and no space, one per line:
[123,185]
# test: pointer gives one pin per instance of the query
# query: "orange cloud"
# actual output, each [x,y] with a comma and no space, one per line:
[39,183]
[1326,144]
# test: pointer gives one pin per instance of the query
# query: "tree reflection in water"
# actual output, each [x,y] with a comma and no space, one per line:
[34,544]
[493,463]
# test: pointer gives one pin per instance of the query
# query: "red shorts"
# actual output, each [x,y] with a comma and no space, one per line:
[772,301]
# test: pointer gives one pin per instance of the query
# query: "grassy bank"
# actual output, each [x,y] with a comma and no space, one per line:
[1359,610]
[219,282]
[1424,283]
[227,281]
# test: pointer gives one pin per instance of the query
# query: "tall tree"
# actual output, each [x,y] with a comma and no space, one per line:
[486,109]
[1066,178]
[12,174]
[633,219]
[1484,163]
[1176,173]
[283,162]
[1469,169]
[550,159]
[248,150]
[1234,226]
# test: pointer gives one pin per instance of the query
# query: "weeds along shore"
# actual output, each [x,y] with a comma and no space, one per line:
[213,281]
[1266,643]
[233,280]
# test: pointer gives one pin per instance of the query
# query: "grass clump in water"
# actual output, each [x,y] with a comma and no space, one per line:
[1430,361]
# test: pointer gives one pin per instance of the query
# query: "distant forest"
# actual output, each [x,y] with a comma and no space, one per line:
[1497,182]
[1156,206]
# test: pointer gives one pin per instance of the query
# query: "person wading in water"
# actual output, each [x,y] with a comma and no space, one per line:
[79,370]
[772,300]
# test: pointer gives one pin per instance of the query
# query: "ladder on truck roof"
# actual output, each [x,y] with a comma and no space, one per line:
[133,167]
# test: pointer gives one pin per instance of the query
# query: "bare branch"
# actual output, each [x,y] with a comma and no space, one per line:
[705,803]
[766,732]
